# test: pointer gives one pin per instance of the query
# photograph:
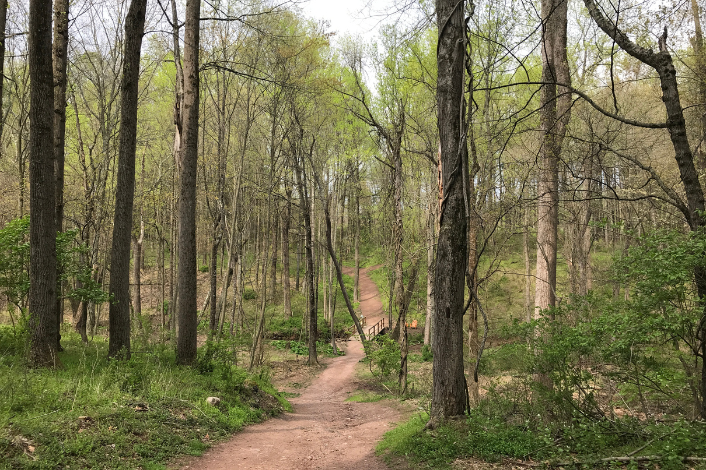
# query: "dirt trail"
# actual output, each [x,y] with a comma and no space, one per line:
[324,431]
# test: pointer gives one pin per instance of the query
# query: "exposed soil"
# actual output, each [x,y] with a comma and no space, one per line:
[324,431]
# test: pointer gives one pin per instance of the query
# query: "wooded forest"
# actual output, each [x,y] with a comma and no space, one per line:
[192,192]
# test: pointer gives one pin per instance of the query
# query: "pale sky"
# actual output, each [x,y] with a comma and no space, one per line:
[348,16]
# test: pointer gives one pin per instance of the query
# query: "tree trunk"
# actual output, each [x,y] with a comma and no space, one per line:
[356,275]
[43,325]
[119,310]
[3,24]
[286,222]
[402,341]
[137,271]
[339,277]
[449,385]
[302,186]
[274,231]
[529,311]
[59,49]
[431,239]
[698,44]
[213,281]
[186,278]
[553,118]
[397,233]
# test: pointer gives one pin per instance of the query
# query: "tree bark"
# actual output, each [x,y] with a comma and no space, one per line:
[3,26]
[356,275]
[397,232]
[698,43]
[43,323]
[449,385]
[186,277]
[137,271]
[529,311]
[431,239]
[553,118]
[59,50]
[402,341]
[119,310]
[213,279]
[305,204]
[286,222]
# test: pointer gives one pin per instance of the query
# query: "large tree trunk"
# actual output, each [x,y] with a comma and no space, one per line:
[449,385]
[119,310]
[60,48]
[186,277]
[43,323]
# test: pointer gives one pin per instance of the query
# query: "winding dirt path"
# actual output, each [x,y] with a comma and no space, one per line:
[324,431]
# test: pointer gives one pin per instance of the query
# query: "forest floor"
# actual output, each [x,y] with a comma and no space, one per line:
[325,430]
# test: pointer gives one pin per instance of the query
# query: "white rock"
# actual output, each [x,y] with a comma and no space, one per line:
[213,401]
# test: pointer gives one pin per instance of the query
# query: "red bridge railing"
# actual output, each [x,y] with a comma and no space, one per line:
[376,328]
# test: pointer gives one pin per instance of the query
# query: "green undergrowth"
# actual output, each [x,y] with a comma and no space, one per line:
[301,348]
[99,413]
[587,442]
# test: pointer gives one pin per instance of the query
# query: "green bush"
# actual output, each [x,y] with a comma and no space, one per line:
[301,348]
[427,354]
[384,355]
[249,294]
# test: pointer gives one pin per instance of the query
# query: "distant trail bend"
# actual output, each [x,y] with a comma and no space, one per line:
[324,431]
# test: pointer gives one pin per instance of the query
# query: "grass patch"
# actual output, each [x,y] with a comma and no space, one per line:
[99,413]
[492,439]
[365,396]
